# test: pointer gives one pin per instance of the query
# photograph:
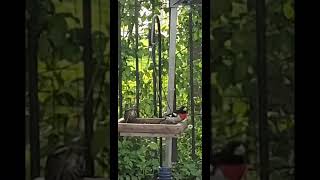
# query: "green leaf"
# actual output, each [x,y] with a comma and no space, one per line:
[288,10]
[240,108]
[153,146]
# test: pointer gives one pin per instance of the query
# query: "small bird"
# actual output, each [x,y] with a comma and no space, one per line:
[230,162]
[131,114]
[176,116]
[66,162]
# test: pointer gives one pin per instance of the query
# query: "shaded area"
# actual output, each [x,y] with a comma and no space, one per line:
[68,90]
[236,88]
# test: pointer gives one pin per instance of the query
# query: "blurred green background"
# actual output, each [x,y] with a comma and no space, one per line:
[233,80]
[61,78]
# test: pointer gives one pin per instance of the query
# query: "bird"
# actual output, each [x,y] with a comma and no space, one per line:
[230,163]
[131,114]
[176,116]
[66,162]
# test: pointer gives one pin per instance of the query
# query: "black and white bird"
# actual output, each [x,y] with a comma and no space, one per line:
[130,115]
[230,163]
[176,116]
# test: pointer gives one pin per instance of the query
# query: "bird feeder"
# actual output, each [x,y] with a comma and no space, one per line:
[151,127]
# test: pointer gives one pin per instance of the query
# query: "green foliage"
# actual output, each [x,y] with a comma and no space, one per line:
[233,79]
[139,157]
[61,76]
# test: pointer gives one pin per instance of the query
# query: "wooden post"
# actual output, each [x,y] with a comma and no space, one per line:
[171,73]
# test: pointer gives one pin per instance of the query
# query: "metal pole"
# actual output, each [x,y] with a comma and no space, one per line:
[262,90]
[171,73]
[119,60]
[88,90]
[33,35]
[136,53]
[191,82]
[154,78]
[155,19]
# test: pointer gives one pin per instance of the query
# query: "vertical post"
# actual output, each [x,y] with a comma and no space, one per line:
[119,60]
[33,34]
[153,54]
[262,92]
[171,72]
[113,127]
[193,142]
[136,53]
[88,86]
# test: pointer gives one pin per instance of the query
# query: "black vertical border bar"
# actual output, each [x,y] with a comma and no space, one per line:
[119,61]
[114,20]
[33,35]
[206,105]
[88,90]
[262,90]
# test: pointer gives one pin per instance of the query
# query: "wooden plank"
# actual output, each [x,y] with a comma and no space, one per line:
[144,120]
[151,128]
[42,178]
[148,135]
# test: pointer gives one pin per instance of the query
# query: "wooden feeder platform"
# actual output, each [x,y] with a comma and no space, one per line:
[42,178]
[150,127]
